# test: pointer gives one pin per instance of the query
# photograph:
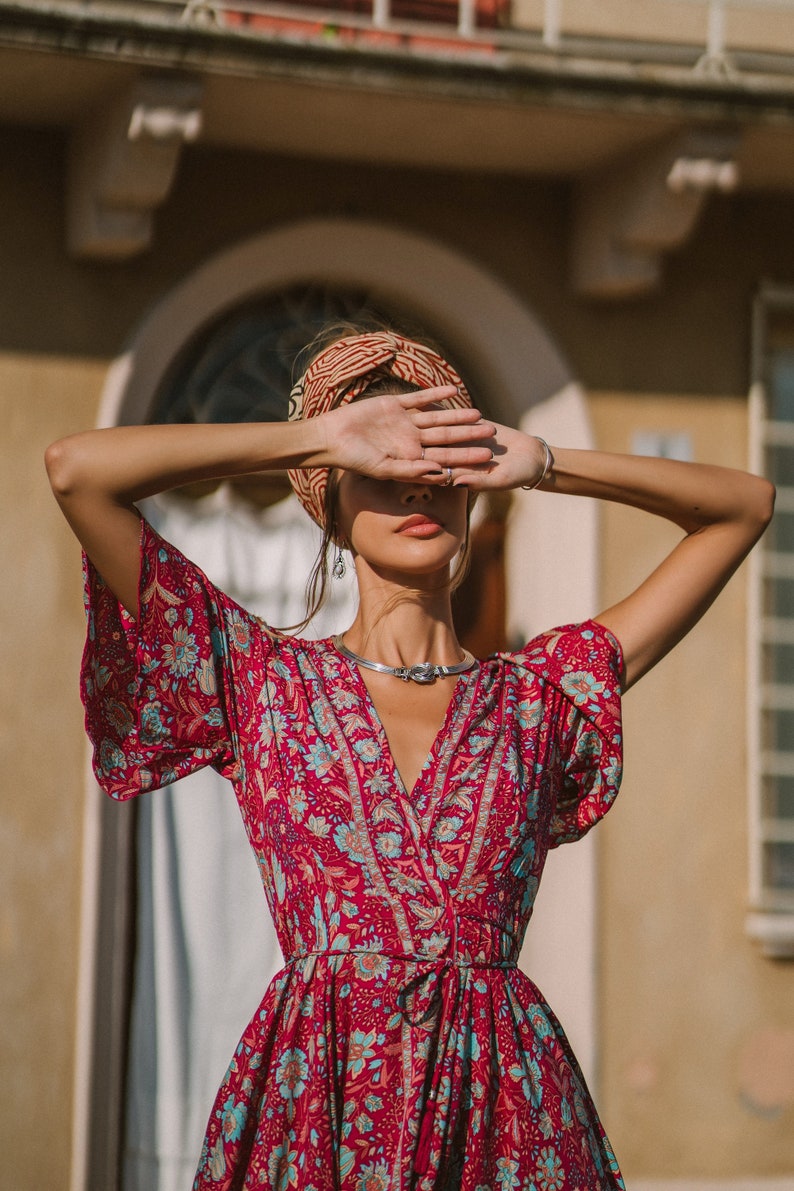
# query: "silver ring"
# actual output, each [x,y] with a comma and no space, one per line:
[422,456]
[448,480]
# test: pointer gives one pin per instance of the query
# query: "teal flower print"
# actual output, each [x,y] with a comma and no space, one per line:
[319,757]
[323,718]
[297,803]
[282,1167]
[344,697]
[368,749]
[360,1048]
[233,1119]
[373,1177]
[120,716]
[507,1173]
[402,883]
[292,1073]
[239,632]
[371,965]
[524,861]
[529,713]
[111,757]
[547,1125]
[540,1022]
[389,844]
[583,688]
[346,839]
[447,828]
[279,879]
[181,653]
[379,782]
[347,1159]
[548,1170]
[206,677]
[102,675]
[217,1162]
[319,825]
[434,944]
[531,1081]
[272,727]
[152,725]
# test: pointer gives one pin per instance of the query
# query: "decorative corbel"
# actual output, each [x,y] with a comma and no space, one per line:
[627,215]
[122,164]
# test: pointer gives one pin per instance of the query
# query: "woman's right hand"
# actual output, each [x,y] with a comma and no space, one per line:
[406,436]
[98,475]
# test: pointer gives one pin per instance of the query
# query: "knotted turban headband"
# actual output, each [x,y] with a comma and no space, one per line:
[343,372]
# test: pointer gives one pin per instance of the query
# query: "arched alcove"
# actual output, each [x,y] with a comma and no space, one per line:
[503,348]
[507,356]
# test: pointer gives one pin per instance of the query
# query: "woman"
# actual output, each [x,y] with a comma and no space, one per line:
[399,796]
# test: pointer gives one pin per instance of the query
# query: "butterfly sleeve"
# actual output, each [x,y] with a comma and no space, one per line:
[157,691]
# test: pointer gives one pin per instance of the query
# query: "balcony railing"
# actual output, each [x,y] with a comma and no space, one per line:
[731,38]
[716,34]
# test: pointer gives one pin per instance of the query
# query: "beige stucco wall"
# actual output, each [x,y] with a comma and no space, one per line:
[697,1028]
[683,992]
[753,25]
[43,759]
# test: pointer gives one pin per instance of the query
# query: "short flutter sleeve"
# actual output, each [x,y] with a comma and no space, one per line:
[156,691]
[584,663]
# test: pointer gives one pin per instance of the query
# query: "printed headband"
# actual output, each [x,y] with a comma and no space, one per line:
[347,369]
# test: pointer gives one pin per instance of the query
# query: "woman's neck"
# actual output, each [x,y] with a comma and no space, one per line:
[402,625]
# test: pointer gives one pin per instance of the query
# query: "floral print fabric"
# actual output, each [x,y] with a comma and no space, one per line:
[401,1047]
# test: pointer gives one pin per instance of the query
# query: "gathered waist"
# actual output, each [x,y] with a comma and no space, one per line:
[445,960]
[423,991]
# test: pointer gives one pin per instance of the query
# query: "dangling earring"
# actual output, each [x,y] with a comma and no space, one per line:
[340,569]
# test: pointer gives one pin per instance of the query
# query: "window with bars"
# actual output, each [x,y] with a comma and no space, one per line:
[772,636]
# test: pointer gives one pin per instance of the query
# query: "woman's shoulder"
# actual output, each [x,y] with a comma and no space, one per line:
[560,654]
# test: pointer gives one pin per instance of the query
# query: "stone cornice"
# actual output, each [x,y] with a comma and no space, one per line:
[510,67]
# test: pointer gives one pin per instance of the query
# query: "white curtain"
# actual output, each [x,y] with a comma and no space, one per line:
[205,946]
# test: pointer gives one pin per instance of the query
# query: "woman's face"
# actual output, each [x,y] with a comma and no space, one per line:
[403,529]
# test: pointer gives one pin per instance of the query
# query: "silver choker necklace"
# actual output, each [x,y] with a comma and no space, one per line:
[423,672]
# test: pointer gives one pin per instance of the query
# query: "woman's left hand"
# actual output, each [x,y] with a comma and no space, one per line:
[518,460]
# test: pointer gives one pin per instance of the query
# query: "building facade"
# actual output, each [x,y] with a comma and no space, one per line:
[590,206]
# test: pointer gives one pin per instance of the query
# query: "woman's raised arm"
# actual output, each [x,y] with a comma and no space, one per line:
[97,476]
[721,511]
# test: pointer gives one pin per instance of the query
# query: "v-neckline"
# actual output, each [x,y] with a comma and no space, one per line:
[450,715]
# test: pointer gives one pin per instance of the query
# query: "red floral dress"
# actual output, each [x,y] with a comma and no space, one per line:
[400,1047]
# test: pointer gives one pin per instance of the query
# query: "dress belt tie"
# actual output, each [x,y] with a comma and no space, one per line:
[430,968]
[442,1003]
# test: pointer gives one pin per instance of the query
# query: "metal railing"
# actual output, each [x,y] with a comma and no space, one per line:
[551,28]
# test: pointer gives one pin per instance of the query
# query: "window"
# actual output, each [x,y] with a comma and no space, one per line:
[772,635]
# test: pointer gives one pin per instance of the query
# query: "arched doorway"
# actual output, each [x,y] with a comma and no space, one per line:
[513,364]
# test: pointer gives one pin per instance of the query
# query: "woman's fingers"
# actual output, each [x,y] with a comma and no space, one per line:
[427,410]
[428,420]
[423,397]
[451,436]
[458,456]
[459,461]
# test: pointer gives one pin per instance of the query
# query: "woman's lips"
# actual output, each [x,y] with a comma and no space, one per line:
[420,526]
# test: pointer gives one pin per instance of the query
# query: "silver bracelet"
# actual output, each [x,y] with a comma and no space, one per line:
[547,466]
